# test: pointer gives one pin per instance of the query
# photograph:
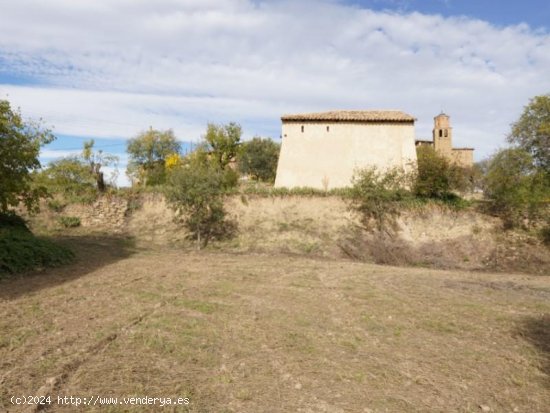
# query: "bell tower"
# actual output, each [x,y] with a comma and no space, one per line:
[442,135]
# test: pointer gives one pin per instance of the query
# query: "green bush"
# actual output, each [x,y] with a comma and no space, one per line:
[437,178]
[9,220]
[21,251]
[196,192]
[69,222]
[378,196]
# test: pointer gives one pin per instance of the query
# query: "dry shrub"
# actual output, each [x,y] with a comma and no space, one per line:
[520,252]
[465,252]
[377,246]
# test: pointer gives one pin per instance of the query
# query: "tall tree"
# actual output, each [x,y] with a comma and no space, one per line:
[20,144]
[514,186]
[95,161]
[148,152]
[532,131]
[223,142]
[69,177]
[258,158]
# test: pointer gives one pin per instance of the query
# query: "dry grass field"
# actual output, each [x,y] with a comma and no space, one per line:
[273,333]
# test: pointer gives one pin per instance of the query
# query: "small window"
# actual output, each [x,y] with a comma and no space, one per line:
[440,133]
[328,128]
[446,133]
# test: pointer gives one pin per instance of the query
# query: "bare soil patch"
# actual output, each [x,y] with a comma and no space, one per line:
[258,333]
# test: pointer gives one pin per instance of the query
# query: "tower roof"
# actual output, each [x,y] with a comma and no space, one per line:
[352,116]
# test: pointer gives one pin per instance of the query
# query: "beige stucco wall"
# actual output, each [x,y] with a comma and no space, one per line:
[324,159]
[463,157]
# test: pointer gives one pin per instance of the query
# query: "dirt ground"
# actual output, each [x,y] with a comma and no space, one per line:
[272,333]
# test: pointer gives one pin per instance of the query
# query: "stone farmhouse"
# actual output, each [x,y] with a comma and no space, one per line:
[323,150]
[442,142]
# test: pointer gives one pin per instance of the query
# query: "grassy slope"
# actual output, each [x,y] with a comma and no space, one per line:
[255,333]
[430,235]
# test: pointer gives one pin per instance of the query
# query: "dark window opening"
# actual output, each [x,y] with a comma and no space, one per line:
[328,128]
[302,128]
[440,133]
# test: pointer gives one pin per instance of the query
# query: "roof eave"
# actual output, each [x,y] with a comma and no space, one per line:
[294,120]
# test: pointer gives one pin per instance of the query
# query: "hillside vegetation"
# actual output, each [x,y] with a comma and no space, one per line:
[430,234]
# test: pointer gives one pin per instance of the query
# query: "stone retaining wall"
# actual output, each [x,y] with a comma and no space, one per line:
[105,213]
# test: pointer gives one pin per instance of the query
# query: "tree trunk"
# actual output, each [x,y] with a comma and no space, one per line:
[100,182]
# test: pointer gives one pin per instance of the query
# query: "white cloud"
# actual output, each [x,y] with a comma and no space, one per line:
[52,154]
[112,68]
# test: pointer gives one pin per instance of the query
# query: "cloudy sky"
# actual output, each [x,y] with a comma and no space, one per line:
[110,68]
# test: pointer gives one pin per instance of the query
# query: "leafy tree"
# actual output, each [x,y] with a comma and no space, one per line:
[69,177]
[96,160]
[515,187]
[223,142]
[20,144]
[197,184]
[436,176]
[532,131]
[148,152]
[195,190]
[258,158]
[76,178]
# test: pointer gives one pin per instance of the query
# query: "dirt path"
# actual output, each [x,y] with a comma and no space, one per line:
[255,333]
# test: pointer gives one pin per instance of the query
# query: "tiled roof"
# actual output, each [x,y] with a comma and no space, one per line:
[352,116]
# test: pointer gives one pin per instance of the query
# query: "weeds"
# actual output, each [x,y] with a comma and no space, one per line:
[69,222]
[56,205]
[270,191]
